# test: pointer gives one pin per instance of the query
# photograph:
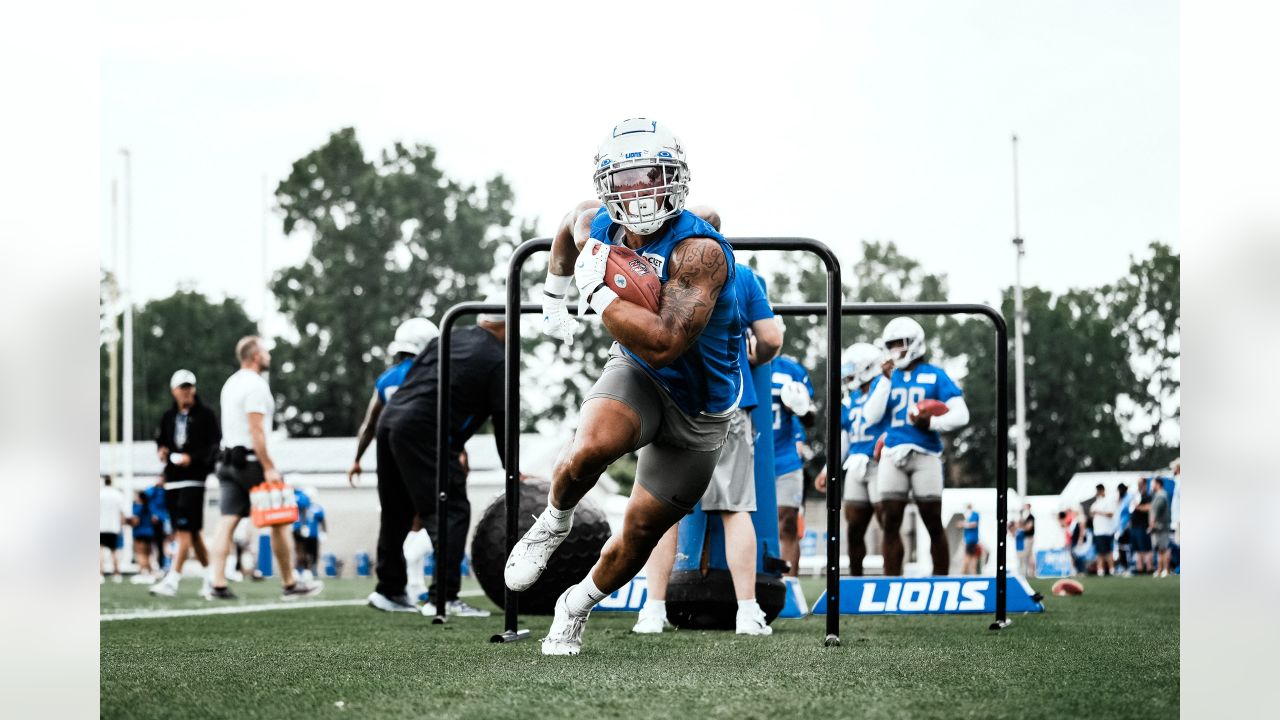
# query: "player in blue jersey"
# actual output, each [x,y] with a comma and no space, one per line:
[732,493]
[673,378]
[411,338]
[911,462]
[862,422]
[792,408]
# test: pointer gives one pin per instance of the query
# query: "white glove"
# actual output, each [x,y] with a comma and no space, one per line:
[588,274]
[796,397]
[556,320]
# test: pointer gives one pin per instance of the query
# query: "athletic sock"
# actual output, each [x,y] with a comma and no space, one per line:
[583,596]
[558,520]
[748,605]
[655,607]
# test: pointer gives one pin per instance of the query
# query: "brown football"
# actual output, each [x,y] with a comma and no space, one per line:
[633,278]
[1067,587]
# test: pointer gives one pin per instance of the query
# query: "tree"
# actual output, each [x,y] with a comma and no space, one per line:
[391,238]
[184,330]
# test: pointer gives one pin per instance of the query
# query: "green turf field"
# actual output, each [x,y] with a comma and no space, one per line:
[1110,653]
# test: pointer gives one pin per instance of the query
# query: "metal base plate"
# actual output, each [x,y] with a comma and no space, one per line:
[507,636]
[1000,624]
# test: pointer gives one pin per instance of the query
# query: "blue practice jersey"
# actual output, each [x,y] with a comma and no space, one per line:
[144,530]
[785,457]
[924,382]
[753,305]
[863,435]
[707,377]
[971,534]
[390,380]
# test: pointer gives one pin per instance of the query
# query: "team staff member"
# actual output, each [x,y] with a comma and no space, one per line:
[972,550]
[792,401]
[113,513]
[187,443]
[407,458]
[911,462]
[411,338]
[863,422]
[732,492]
[247,411]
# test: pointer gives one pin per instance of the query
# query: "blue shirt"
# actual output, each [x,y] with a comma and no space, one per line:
[304,504]
[924,382]
[707,377]
[144,530]
[390,380]
[971,533]
[753,305]
[785,457]
[1125,511]
[863,435]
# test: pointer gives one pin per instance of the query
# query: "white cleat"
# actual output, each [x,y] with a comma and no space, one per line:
[565,635]
[529,557]
[753,622]
[650,624]
[163,589]
[378,601]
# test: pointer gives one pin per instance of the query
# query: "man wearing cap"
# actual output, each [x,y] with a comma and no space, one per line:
[187,443]
[407,459]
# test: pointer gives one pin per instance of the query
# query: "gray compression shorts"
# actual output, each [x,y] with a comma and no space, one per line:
[678,452]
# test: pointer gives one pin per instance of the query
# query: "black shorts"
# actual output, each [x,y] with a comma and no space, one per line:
[234,484]
[971,549]
[1103,544]
[186,507]
[109,540]
[1140,539]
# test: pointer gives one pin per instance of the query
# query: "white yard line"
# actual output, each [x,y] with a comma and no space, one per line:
[237,609]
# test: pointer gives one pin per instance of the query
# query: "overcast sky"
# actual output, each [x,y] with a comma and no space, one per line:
[842,122]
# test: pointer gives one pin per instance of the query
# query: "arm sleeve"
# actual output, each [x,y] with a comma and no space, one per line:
[258,401]
[956,417]
[877,401]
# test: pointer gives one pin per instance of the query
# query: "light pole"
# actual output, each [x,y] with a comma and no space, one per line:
[1019,380]
[126,283]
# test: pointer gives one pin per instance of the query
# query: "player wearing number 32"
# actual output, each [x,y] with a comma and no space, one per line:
[673,379]
[922,401]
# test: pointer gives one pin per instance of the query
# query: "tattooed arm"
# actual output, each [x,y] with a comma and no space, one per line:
[698,273]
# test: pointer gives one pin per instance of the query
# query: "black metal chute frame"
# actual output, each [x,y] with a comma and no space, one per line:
[833,308]
[1002,428]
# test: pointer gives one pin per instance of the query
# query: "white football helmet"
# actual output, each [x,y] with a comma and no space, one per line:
[903,328]
[861,362]
[413,335]
[642,145]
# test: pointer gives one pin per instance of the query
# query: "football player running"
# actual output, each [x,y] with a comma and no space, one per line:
[911,462]
[672,381]
[864,422]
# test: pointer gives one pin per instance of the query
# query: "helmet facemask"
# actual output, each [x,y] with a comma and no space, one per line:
[644,195]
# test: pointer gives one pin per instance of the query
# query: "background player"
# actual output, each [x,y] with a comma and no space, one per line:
[792,402]
[864,421]
[672,379]
[911,462]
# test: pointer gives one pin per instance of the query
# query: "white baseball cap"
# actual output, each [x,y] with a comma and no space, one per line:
[182,377]
[413,335]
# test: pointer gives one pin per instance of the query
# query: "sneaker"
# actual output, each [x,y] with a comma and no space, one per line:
[650,624]
[462,609]
[428,609]
[529,557]
[117,579]
[167,589]
[565,635]
[142,579]
[752,622]
[399,603]
[220,593]
[302,589]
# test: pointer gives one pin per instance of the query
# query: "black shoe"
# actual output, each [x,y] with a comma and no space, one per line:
[221,593]
[302,589]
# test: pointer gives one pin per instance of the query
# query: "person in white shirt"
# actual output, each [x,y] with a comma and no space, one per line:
[113,513]
[1104,514]
[247,410]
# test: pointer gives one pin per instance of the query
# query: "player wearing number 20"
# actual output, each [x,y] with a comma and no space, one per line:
[922,401]
[672,381]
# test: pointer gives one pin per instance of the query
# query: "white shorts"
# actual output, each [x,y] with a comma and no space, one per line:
[733,482]
[920,475]
[863,490]
[791,489]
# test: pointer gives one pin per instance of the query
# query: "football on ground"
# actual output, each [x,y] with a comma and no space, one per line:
[633,278]
[1067,586]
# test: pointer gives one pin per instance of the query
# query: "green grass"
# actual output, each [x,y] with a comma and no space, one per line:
[1112,652]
